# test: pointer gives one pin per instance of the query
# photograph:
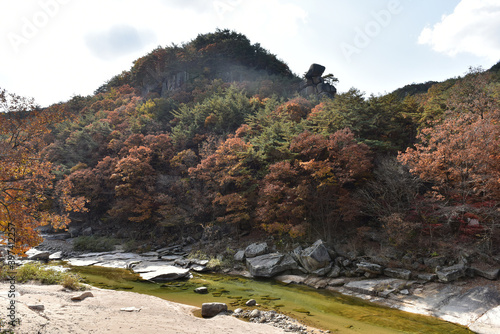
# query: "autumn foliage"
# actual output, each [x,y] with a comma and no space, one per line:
[29,197]
[232,145]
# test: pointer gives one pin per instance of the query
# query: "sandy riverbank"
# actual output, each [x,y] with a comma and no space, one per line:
[101,314]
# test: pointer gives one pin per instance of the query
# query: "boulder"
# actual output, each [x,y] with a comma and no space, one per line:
[251,302]
[256,249]
[202,290]
[296,253]
[239,256]
[255,314]
[491,274]
[426,277]
[317,80]
[315,70]
[397,273]
[74,231]
[35,254]
[323,271]
[87,231]
[335,272]
[209,310]
[269,265]
[315,257]
[450,274]
[434,262]
[370,268]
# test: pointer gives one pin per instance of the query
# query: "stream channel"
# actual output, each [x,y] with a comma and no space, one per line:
[323,309]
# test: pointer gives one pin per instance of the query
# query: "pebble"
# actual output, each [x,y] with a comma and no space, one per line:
[272,318]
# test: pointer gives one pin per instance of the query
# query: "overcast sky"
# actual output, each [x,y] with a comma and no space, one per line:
[54,49]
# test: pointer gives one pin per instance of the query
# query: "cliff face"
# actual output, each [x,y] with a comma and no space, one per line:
[315,84]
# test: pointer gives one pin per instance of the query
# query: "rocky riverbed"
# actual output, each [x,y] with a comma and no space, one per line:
[460,292]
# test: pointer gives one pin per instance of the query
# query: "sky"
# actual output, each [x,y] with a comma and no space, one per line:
[52,50]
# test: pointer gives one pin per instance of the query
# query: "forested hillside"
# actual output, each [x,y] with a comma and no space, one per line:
[212,134]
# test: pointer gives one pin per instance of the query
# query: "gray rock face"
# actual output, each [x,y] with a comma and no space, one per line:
[488,323]
[256,249]
[315,257]
[397,273]
[209,310]
[469,306]
[450,274]
[269,265]
[370,268]
[239,256]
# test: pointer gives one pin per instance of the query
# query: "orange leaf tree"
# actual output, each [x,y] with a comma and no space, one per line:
[314,190]
[460,155]
[26,179]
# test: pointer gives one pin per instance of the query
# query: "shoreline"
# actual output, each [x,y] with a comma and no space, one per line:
[419,298]
[102,314]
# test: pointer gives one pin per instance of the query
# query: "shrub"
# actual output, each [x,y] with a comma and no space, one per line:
[214,263]
[46,275]
[72,282]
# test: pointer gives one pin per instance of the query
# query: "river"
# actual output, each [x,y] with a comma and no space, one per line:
[321,309]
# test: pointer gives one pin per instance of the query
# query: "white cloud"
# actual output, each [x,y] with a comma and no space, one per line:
[117,41]
[473,27]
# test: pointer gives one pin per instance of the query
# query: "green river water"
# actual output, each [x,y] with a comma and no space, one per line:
[322,309]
